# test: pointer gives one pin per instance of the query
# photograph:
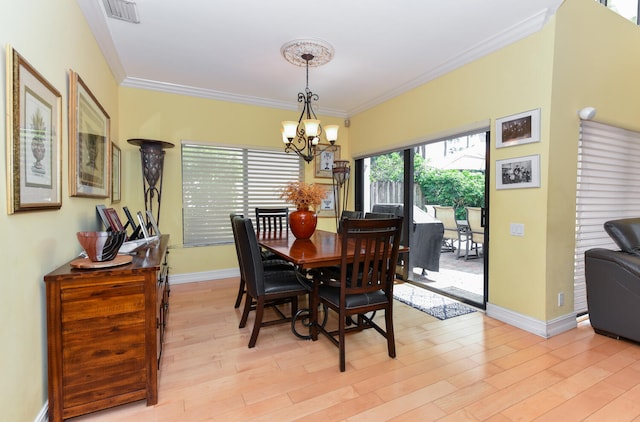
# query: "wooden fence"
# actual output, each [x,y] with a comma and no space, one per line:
[393,193]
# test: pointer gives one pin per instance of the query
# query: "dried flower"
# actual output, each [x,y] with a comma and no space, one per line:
[303,195]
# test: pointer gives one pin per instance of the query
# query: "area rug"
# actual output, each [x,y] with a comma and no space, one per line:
[436,305]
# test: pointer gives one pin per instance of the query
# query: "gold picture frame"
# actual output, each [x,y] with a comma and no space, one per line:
[327,207]
[324,160]
[34,138]
[116,173]
[89,142]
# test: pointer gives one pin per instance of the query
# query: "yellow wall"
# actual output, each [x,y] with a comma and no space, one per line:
[512,80]
[172,118]
[54,37]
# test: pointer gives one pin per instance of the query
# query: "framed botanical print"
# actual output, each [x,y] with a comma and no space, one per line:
[324,160]
[328,205]
[34,138]
[89,142]
[116,181]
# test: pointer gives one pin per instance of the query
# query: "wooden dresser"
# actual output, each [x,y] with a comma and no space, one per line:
[104,333]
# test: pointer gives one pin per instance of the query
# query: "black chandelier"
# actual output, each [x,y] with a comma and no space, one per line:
[303,136]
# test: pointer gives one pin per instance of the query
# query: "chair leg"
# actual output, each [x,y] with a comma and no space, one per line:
[240,293]
[341,328]
[245,312]
[258,322]
[391,341]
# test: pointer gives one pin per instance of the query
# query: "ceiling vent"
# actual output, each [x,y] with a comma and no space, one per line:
[122,9]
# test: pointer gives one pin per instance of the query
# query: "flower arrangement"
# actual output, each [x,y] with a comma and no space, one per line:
[303,195]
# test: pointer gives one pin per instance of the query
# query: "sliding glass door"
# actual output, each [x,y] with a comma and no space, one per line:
[445,184]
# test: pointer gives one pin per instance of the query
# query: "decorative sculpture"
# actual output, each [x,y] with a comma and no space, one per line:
[152,156]
[340,171]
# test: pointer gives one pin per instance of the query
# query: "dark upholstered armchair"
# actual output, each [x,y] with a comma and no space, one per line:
[613,282]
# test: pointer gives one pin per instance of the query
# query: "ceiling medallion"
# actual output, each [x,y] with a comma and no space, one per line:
[321,51]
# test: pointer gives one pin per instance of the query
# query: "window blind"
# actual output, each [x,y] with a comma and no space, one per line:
[607,189]
[218,180]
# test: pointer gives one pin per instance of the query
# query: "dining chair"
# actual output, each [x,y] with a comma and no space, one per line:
[476,230]
[272,219]
[348,214]
[264,288]
[364,284]
[270,263]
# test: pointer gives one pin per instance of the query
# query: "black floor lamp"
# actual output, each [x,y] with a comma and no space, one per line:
[152,156]
[341,171]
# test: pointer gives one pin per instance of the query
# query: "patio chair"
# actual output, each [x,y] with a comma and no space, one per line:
[452,232]
[476,231]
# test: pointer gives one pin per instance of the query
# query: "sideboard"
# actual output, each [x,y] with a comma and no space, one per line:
[105,329]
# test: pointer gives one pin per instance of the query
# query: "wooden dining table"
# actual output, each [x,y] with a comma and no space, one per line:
[322,249]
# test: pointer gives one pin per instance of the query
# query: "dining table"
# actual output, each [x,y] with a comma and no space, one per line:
[322,249]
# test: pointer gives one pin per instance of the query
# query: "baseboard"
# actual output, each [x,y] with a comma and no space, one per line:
[43,415]
[203,276]
[544,329]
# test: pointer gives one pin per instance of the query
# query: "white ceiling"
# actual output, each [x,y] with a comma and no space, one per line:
[230,49]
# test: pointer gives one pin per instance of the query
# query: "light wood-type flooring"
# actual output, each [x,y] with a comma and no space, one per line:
[468,368]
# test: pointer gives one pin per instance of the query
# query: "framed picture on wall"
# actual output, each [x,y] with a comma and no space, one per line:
[328,205]
[519,172]
[89,144]
[34,140]
[518,129]
[116,182]
[324,160]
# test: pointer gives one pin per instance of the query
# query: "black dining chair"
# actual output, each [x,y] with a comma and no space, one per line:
[270,263]
[264,288]
[348,214]
[365,283]
[272,219]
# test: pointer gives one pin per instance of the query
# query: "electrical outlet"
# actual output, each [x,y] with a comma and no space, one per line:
[561,299]
[516,229]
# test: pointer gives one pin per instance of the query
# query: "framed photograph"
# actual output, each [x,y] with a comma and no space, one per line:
[328,205]
[153,224]
[519,172]
[114,220]
[89,145]
[324,160]
[523,128]
[34,138]
[116,183]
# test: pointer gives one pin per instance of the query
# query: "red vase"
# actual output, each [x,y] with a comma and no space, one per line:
[302,223]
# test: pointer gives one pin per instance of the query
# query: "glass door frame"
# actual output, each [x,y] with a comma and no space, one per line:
[408,154]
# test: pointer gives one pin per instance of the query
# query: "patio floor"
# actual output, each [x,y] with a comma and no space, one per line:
[457,276]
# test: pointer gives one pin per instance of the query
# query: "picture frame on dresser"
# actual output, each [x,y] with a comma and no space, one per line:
[89,142]
[34,138]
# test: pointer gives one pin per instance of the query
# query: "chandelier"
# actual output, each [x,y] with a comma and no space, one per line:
[303,136]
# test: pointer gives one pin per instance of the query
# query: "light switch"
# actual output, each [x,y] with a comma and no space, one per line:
[516,229]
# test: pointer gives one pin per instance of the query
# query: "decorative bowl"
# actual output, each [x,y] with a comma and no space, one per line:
[101,246]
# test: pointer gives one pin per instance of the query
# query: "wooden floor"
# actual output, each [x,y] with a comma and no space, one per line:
[467,368]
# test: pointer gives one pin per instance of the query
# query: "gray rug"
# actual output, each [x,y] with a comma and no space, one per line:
[436,305]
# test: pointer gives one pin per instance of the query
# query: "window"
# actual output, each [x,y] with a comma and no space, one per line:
[626,8]
[218,180]
[607,171]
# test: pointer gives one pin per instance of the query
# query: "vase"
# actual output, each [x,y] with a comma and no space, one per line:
[302,223]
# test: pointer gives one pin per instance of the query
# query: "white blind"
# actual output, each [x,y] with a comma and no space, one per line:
[218,180]
[608,189]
